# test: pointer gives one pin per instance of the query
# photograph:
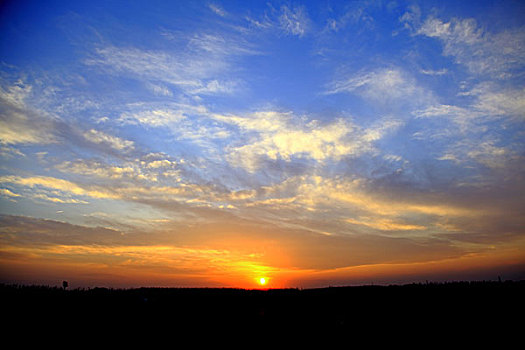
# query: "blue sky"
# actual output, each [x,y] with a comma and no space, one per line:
[210,143]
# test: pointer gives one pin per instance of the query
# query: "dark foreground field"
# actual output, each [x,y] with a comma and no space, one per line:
[480,307]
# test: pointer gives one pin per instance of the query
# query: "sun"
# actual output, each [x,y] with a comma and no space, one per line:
[262,281]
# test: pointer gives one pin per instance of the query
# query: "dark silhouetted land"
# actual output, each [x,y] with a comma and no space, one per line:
[449,307]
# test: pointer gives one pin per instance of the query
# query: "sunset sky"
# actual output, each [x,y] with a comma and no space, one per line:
[215,143]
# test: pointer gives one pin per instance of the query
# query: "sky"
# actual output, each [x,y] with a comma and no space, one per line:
[215,143]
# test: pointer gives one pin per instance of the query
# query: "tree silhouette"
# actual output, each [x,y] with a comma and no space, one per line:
[65,285]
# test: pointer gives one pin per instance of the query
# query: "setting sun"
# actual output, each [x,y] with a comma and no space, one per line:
[262,281]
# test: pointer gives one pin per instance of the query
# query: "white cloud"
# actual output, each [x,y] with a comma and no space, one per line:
[442,71]
[411,18]
[358,201]
[160,163]
[7,152]
[294,21]
[276,135]
[505,102]
[159,89]
[19,123]
[202,65]
[218,46]
[480,51]
[489,155]
[66,190]
[99,137]
[216,87]
[265,23]
[150,65]
[146,169]
[385,86]
[463,117]
[64,186]
[184,121]
[485,151]
[489,103]
[157,117]
[93,168]
[217,10]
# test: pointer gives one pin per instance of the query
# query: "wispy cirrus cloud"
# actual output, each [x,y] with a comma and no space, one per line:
[65,186]
[385,86]
[499,54]
[217,9]
[159,89]
[184,122]
[434,72]
[508,103]
[201,65]
[147,169]
[294,21]
[19,122]
[355,12]
[100,137]
[288,20]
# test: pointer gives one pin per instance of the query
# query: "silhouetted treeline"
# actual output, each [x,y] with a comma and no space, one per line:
[482,306]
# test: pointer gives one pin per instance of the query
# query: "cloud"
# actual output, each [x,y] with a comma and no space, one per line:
[7,193]
[411,18]
[185,122]
[100,137]
[152,65]
[509,102]
[294,21]
[467,118]
[8,152]
[283,136]
[33,232]
[217,10]
[385,86]
[159,90]
[500,55]
[242,249]
[312,201]
[442,71]
[97,169]
[300,249]
[150,168]
[65,186]
[28,116]
[385,224]
[143,186]
[481,127]
[19,123]
[58,200]
[158,117]
[289,20]
[487,151]
[489,155]
[215,87]
[201,66]
[359,195]
[256,137]
[127,253]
